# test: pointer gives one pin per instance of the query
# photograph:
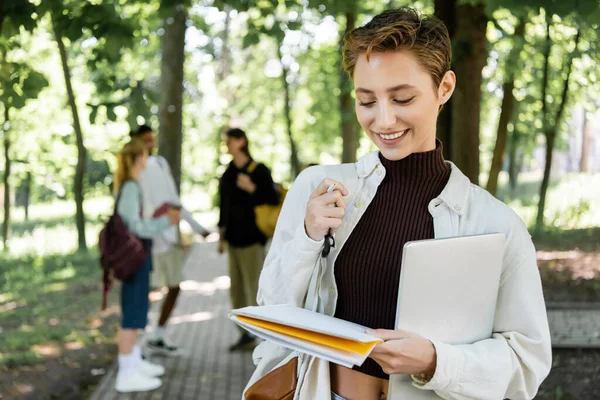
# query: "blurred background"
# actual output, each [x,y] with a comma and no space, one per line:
[77,75]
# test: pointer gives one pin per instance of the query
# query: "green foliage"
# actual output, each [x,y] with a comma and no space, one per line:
[19,83]
[14,15]
[232,78]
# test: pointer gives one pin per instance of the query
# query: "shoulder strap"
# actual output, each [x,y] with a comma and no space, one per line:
[252,167]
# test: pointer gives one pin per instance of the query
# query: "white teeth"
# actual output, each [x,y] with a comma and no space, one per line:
[394,136]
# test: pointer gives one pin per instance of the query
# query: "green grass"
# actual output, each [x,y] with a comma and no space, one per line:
[50,294]
[48,299]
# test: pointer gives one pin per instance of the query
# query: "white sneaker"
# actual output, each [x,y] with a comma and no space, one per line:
[149,369]
[136,381]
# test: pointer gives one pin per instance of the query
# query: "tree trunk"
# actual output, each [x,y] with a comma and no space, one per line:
[6,223]
[446,11]
[539,221]
[469,59]
[550,131]
[508,107]
[170,115]
[508,103]
[514,165]
[81,150]
[350,133]
[586,136]
[27,195]
[295,166]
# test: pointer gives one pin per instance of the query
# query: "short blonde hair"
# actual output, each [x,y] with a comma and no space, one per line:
[402,29]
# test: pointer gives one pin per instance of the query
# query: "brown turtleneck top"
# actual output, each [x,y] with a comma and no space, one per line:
[367,270]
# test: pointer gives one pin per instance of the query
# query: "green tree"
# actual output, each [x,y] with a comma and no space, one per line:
[73,21]
[553,117]
[170,137]
[275,22]
[508,104]
[18,83]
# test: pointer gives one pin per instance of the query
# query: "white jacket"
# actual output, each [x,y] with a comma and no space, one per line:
[511,364]
[158,187]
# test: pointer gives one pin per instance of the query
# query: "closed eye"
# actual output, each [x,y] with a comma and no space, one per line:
[368,104]
[397,101]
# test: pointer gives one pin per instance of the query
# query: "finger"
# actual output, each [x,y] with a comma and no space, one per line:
[386,334]
[324,224]
[325,184]
[378,350]
[332,223]
[333,212]
[334,198]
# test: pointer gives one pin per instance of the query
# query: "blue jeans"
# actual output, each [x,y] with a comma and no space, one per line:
[336,397]
[134,298]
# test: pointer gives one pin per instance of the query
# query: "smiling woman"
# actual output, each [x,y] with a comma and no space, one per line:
[406,191]
[401,69]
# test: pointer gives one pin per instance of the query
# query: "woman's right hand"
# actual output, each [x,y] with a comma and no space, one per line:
[325,211]
[174,216]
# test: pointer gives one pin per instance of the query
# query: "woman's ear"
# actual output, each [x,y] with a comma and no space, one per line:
[446,87]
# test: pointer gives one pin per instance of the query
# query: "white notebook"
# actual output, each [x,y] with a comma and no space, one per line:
[309,332]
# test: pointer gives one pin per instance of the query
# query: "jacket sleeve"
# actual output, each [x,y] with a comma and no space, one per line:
[189,218]
[129,210]
[514,362]
[286,273]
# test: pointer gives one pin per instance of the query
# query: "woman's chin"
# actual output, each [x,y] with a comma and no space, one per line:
[394,153]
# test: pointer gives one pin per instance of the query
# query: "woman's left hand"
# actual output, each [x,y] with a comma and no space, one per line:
[403,352]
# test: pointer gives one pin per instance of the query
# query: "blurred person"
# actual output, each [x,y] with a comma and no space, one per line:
[135,373]
[244,185]
[405,191]
[158,187]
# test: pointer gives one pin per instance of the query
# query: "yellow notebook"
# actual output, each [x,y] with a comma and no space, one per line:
[315,337]
[308,332]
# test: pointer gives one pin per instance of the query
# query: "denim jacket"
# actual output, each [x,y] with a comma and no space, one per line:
[510,364]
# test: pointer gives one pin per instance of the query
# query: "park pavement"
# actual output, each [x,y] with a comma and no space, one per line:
[200,325]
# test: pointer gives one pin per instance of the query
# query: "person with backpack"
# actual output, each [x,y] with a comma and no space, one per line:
[244,186]
[136,374]
[159,189]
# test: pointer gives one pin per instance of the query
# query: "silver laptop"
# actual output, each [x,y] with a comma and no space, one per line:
[448,292]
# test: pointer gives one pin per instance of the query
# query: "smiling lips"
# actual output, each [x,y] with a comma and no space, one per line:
[393,135]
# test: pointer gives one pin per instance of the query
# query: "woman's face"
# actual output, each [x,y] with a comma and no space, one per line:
[234,145]
[397,104]
[141,161]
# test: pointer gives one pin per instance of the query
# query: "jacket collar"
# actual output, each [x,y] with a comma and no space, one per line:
[455,193]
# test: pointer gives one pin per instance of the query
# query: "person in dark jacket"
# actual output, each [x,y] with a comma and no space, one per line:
[244,185]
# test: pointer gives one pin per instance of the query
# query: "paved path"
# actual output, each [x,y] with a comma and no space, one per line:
[200,325]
